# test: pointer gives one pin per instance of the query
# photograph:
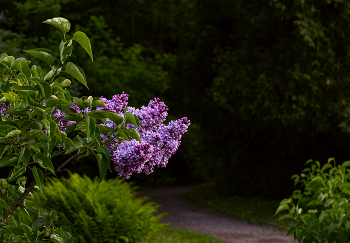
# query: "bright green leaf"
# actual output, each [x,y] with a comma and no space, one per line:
[84,41]
[4,204]
[60,23]
[44,162]
[43,54]
[77,73]
[8,160]
[282,208]
[39,177]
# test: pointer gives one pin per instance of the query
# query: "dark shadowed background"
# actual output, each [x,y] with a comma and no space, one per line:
[264,83]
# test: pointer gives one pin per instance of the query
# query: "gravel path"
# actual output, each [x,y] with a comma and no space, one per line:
[187,215]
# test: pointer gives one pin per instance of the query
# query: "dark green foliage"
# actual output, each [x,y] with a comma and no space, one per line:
[104,211]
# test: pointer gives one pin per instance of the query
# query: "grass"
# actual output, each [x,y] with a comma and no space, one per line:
[255,210]
[174,235]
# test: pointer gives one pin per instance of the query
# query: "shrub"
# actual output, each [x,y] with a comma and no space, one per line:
[101,212]
[321,208]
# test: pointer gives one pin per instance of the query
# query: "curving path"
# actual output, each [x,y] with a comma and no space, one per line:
[187,215]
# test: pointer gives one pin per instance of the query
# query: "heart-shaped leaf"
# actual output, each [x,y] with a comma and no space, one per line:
[60,23]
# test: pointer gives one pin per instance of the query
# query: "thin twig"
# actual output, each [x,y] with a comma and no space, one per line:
[30,210]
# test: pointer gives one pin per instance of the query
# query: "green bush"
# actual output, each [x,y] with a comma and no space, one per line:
[321,209]
[101,212]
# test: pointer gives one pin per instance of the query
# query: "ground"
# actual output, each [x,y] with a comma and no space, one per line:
[187,215]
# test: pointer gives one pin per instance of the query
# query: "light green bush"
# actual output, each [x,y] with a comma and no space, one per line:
[101,212]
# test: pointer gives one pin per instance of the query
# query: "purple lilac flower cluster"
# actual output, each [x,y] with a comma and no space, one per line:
[158,141]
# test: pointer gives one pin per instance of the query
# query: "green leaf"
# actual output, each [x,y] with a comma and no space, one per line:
[332,227]
[122,134]
[66,53]
[282,208]
[14,230]
[43,54]
[134,134]
[35,134]
[27,229]
[3,56]
[53,100]
[47,90]
[322,216]
[17,172]
[129,118]
[38,224]
[17,65]
[343,236]
[84,41]
[49,75]
[137,121]
[44,162]
[13,133]
[113,116]
[39,177]
[90,125]
[98,103]
[317,179]
[50,145]
[61,48]
[63,82]
[36,71]
[4,204]
[68,233]
[36,189]
[60,23]
[8,160]
[103,150]
[103,165]
[8,61]
[3,149]
[56,239]
[87,101]
[77,73]
[51,128]
[8,124]
[345,164]
[62,234]
[104,130]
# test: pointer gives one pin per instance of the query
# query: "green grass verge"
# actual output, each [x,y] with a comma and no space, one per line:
[174,235]
[255,210]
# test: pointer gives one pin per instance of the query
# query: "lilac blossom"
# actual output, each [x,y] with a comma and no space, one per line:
[158,141]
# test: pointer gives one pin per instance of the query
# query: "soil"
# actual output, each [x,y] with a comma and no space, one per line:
[182,213]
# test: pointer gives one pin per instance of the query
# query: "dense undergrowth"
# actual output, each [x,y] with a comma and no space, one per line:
[105,211]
